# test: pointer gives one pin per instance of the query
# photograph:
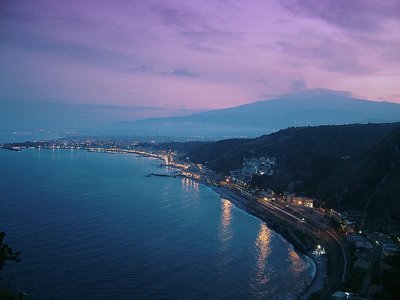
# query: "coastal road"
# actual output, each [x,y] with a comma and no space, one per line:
[265,210]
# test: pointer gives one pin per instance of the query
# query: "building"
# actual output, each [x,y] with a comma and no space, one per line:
[385,243]
[354,217]
[339,295]
[304,201]
[361,264]
[260,166]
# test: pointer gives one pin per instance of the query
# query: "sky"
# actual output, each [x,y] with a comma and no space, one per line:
[158,58]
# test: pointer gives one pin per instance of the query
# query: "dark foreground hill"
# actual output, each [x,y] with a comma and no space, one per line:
[347,166]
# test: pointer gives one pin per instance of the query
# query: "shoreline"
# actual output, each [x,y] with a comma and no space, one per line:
[256,211]
[318,276]
[317,283]
[240,202]
[244,204]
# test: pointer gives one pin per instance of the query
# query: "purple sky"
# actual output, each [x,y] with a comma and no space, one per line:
[196,55]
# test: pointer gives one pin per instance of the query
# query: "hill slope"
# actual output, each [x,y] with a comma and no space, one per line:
[371,182]
[348,166]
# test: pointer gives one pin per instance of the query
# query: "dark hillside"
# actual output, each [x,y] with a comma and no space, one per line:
[302,153]
[370,182]
[348,166]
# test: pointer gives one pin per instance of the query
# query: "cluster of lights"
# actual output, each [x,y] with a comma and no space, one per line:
[319,250]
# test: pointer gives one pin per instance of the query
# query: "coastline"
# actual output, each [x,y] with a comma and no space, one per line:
[194,225]
[317,283]
[255,210]
[240,202]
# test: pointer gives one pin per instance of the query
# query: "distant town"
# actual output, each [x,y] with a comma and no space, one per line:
[347,255]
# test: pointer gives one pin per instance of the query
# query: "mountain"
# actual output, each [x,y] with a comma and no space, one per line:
[307,108]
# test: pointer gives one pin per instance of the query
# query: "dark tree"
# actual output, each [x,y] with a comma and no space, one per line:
[7,253]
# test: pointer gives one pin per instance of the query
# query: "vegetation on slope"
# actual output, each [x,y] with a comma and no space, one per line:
[348,166]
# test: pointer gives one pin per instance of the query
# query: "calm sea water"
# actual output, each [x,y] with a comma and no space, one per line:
[92,226]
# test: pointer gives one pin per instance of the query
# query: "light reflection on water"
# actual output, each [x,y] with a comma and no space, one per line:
[260,287]
[262,245]
[225,233]
[168,225]
[189,185]
[169,169]
[297,264]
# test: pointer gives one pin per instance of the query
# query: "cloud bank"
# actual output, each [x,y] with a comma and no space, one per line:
[196,54]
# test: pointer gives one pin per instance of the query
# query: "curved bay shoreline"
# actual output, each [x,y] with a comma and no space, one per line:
[251,208]
[273,222]
[235,244]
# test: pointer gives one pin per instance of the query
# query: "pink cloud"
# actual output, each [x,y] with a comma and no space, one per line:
[200,55]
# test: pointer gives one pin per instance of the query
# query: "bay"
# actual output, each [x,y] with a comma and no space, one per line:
[92,226]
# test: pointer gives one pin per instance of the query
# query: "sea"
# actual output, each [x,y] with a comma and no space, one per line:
[93,226]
